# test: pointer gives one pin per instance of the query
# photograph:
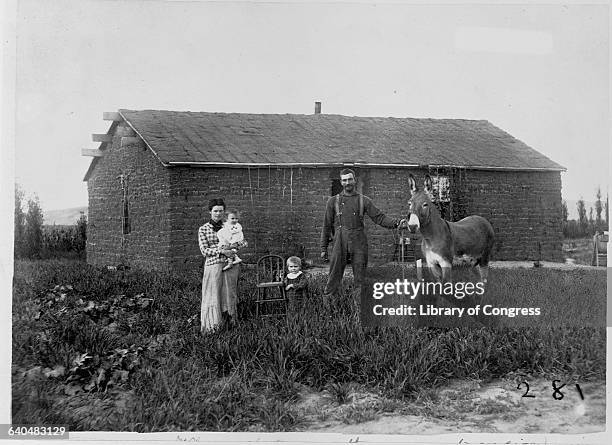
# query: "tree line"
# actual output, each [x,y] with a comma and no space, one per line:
[597,220]
[34,240]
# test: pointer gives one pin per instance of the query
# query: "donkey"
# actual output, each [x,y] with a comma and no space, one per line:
[472,236]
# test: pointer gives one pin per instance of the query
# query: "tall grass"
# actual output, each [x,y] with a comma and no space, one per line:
[160,374]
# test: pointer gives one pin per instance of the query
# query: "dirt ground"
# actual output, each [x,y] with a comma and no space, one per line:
[464,407]
[461,406]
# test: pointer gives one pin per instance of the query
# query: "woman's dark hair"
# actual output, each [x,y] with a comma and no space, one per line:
[216,202]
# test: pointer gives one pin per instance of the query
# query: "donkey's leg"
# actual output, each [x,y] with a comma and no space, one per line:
[484,259]
[446,271]
[483,271]
[483,266]
[435,269]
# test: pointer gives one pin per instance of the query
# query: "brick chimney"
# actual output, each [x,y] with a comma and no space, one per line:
[317,108]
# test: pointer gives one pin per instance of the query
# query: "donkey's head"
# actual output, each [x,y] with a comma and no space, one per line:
[421,207]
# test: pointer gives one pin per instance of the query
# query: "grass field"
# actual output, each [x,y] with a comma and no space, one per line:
[121,351]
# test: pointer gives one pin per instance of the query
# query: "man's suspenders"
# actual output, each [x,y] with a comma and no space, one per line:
[339,213]
[337,206]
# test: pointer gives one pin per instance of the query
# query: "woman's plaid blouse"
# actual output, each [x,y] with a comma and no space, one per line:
[207,238]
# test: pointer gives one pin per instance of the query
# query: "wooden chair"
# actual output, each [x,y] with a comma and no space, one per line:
[270,287]
[408,247]
[600,249]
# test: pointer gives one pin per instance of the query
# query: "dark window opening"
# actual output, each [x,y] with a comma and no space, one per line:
[125,218]
[125,215]
[441,195]
[336,187]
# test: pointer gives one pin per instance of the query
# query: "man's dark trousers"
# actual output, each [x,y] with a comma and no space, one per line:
[347,241]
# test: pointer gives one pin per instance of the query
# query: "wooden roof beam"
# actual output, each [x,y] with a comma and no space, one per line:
[112,116]
[92,152]
[102,137]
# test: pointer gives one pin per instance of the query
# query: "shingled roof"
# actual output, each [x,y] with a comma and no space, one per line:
[235,139]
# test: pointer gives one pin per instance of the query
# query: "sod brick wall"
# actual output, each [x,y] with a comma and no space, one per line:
[147,245]
[524,209]
[282,209]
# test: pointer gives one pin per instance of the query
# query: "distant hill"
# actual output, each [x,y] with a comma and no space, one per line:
[63,217]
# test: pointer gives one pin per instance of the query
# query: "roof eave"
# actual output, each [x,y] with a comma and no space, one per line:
[202,164]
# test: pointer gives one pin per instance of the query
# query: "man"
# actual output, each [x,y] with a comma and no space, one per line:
[344,221]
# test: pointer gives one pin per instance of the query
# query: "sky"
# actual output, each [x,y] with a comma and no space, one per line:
[539,72]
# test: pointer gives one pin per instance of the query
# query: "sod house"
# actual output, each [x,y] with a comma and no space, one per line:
[150,180]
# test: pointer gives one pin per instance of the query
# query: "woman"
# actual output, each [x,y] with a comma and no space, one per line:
[219,288]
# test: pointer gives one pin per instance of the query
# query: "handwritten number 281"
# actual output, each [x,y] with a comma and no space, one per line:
[557,394]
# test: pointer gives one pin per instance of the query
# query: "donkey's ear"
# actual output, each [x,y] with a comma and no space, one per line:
[412,183]
[427,184]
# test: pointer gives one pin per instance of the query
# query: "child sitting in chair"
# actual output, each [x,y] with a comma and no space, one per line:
[295,281]
[228,235]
